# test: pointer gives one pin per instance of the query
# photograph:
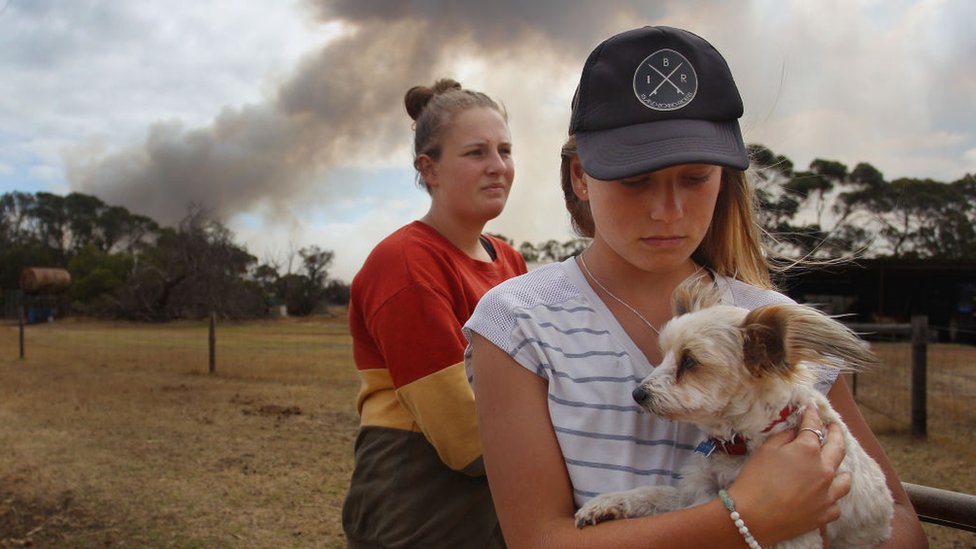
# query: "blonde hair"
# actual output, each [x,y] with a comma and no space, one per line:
[433,109]
[733,245]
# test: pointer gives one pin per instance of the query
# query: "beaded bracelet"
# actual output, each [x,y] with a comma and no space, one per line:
[737,520]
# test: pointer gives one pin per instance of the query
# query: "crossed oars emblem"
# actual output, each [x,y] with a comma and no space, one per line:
[667,78]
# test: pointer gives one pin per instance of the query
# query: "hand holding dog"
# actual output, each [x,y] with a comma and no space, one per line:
[792,478]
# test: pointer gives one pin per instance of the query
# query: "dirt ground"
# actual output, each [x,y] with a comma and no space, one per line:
[114,435]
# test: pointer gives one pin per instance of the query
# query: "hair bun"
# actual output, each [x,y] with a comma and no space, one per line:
[417,97]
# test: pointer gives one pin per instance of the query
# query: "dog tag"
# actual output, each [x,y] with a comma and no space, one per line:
[706,447]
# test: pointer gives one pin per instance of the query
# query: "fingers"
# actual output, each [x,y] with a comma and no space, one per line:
[833,450]
[819,433]
[830,442]
[809,427]
[839,488]
[805,481]
[810,420]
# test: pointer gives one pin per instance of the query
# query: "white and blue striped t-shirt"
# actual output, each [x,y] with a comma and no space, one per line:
[553,323]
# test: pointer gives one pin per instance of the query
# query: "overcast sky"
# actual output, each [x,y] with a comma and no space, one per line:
[286,120]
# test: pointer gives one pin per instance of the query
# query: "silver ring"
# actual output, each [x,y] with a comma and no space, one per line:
[818,432]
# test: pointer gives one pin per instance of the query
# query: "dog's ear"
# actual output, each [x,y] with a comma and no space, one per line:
[814,336]
[764,336]
[778,337]
[693,294]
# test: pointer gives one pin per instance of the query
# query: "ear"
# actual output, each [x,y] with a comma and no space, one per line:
[778,337]
[427,169]
[580,182]
[812,335]
[764,341]
[694,294]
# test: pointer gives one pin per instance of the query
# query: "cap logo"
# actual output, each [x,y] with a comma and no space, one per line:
[665,81]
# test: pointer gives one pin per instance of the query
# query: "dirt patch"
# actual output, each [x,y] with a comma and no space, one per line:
[273,410]
[27,523]
[252,408]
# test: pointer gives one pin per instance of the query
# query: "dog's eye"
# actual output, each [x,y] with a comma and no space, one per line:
[687,363]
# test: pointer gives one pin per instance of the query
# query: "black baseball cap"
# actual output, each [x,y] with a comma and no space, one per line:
[655,97]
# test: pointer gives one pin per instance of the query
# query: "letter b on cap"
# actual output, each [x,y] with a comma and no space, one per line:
[665,81]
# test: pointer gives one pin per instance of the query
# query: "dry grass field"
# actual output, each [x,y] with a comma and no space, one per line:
[116,435]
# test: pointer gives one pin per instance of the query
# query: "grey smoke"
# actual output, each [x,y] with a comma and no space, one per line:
[340,100]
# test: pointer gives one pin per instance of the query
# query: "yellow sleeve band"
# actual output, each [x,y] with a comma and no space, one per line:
[442,404]
[377,402]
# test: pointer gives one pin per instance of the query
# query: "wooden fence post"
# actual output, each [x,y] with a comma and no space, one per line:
[20,323]
[213,342]
[920,335]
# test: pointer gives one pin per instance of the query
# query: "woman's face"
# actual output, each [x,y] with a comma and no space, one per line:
[475,171]
[654,220]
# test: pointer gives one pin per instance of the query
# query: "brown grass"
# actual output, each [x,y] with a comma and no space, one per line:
[115,435]
[947,458]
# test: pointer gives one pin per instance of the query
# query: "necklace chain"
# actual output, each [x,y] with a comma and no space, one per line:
[586,269]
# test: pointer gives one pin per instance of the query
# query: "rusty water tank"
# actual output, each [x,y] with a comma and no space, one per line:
[44,280]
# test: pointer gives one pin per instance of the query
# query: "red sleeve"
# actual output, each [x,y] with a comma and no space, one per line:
[418,333]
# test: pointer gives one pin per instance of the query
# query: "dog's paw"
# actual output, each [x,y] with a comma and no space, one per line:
[600,509]
[637,502]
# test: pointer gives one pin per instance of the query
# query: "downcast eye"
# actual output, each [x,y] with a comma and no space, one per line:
[687,363]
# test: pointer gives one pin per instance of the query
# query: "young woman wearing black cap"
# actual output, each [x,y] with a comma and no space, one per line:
[419,478]
[653,172]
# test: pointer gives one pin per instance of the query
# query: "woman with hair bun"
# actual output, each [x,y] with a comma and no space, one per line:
[418,479]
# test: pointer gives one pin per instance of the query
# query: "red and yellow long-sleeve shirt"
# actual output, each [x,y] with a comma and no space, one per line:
[418,456]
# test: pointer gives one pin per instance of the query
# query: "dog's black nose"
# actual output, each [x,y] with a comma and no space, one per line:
[640,395]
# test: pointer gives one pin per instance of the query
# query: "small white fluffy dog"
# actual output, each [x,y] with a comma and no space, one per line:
[741,376]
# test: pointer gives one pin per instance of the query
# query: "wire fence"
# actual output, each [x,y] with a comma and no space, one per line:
[290,349]
[928,393]
[892,389]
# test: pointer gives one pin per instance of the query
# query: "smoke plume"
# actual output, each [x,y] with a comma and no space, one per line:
[341,102]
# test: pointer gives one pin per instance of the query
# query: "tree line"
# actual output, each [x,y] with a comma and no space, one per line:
[125,265]
[831,211]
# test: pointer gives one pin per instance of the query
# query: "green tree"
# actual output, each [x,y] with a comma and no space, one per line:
[120,229]
[812,188]
[337,292]
[798,209]
[50,220]
[19,247]
[304,291]
[928,219]
[15,213]
[265,277]
[95,276]
[966,187]
[191,272]
[528,252]
[775,208]
[81,215]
